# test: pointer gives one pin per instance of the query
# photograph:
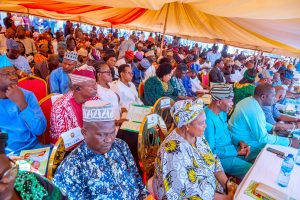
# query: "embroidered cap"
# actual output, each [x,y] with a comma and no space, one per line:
[71,55]
[82,74]
[97,111]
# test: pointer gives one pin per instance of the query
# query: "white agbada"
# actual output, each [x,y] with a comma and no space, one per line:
[107,94]
[128,95]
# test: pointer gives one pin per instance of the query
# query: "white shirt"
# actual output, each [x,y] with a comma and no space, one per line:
[196,84]
[151,71]
[107,94]
[128,95]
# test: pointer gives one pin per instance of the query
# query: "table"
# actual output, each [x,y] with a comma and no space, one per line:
[266,169]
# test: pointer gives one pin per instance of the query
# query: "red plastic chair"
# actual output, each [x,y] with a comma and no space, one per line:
[34,84]
[205,79]
[46,105]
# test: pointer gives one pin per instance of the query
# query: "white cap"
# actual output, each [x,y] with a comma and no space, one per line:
[97,111]
[71,55]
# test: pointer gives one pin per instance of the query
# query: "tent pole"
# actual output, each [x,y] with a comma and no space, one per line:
[165,27]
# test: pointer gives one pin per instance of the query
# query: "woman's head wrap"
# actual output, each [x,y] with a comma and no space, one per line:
[185,111]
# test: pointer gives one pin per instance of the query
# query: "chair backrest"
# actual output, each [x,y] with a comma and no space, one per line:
[58,154]
[153,131]
[141,89]
[162,107]
[46,106]
[56,157]
[205,79]
[36,85]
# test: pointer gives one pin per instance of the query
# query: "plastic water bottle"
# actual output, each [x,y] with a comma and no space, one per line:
[285,172]
[298,158]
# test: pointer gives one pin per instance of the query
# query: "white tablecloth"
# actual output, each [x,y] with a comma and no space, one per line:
[266,169]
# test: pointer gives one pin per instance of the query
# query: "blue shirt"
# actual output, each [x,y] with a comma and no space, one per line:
[271,113]
[59,81]
[186,80]
[87,175]
[217,134]
[248,124]
[138,76]
[22,127]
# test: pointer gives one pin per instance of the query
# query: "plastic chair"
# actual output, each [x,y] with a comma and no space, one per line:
[34,84]
[164,112]
[149,140]
[205,79]
[141,89]
[46,106]
[58,154]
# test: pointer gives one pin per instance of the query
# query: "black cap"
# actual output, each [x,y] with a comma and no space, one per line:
[3,139]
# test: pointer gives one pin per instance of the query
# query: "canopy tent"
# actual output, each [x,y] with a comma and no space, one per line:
[268,25]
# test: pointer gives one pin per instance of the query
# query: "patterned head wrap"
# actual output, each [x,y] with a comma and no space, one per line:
[185,111]
[221,91]
[94,55]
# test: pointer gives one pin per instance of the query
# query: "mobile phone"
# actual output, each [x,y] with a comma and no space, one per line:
[277,152]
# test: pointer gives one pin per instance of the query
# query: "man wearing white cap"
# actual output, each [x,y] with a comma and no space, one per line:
[102,166]
[59,80]
[66,112]
[151,71]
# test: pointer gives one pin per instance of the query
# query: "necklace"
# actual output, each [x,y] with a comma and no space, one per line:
[165,85]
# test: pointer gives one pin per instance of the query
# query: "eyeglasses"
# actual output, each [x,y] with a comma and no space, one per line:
[11,173]
[106,72]
[8,74]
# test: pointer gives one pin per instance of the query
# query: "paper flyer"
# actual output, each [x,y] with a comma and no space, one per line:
[35,160]
[136,113]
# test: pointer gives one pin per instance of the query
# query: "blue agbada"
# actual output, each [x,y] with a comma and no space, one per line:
[22,127]
[59,81]
[87,175]
[248,124]
[220,142]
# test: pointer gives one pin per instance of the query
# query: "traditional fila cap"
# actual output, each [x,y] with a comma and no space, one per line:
[71,55]
[82,74]
[97,111]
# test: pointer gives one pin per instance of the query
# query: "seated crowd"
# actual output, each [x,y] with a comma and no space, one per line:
[100,76]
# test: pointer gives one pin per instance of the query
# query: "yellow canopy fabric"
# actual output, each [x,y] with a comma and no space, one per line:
[267,25]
